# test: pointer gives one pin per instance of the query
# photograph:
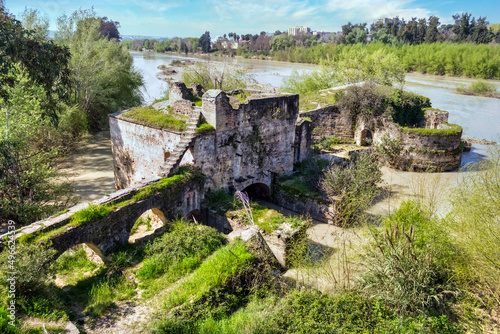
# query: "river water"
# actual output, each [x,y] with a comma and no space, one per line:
[479,116]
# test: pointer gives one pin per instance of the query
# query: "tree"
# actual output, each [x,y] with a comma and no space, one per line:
[356,36]
[27,178]
[211,76]
[109,29]
[205,41]
[32,20]
[104,78]
[462,26]
[480,32]
[431,35]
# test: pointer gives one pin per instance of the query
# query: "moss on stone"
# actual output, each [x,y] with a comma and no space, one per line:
[157,118]
[451,131]
[204,128]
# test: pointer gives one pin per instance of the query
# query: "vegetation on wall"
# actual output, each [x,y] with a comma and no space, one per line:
[150,116]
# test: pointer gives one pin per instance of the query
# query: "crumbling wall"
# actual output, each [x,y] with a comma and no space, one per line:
[327,122]
[250,143]
[138,150]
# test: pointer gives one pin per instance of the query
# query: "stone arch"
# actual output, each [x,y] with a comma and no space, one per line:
[152,221]
[194,215]
[365,138]
[92,251]
[258,190]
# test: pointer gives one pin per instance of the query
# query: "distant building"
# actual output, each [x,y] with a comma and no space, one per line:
[294,31]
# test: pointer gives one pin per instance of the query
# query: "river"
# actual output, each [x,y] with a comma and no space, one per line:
[479,116]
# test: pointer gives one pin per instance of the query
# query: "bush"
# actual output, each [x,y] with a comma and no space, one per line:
[30,265]
[408,108]
[479,88]
[406,271]
[351,188]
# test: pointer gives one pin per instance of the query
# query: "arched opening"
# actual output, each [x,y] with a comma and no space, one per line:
[147,224]
[77,263]
[366,138]
[258,191]
[194,215]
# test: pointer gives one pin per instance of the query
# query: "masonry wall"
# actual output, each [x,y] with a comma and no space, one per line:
[251,143]
[138,150]
[326,122]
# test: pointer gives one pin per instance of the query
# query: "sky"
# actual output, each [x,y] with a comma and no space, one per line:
[191,18]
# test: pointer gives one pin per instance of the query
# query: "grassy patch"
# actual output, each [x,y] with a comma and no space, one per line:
[204,128]
[452,130]
[311,101]
[105,293]
[331,143]
[157,118]
[220,201]
[196,100]
[73,265]
[481,88]
[220,266]
[178,253]
[92,212]
[165,97]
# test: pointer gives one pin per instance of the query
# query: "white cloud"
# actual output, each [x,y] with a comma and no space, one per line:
[363,11]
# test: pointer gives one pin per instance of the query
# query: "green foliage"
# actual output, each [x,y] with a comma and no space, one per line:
[358,66]
[452,130]
[30,265]
[204,128]
[179,251]
[4,322]
[117,85]
[220,266]
[220,201]
[213,76]
[466,59]
[408,266]
[140,222]
[157,118]
[74,260]
[165,97]
[351,188]
[103,295]
[481,88]
[28,186]
[270,220]
[92,212]
[475,221]
[408,108]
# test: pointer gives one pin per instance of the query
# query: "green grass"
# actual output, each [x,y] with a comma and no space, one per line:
[140,222]
[177,253]
[196,100]
[104,294]
[310,101]
[92,212]
[223,264]
[204,128]
[220,201]
[331,143]
[156,118]
[164,98]
[71,266]
[453,130]
[481,88]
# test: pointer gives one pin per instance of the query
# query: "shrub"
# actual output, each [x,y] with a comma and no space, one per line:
[408,108]
[407,271]
[389,149]
[351,188]
[479,88]
[30,265]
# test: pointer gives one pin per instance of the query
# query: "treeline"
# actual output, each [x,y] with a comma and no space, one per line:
[51,93]
[465,59]
[176,44]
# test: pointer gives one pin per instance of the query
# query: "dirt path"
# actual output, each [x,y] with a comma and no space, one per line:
[90,169]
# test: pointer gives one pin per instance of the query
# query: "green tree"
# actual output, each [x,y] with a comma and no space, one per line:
[27,176]
[431,35]
[33,20]
[356,36]
[205,41]
[104,78]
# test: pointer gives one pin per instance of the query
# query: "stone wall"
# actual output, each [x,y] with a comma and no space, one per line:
[303,142]
[327,122]
[305,206]
[138,150]
[424,150]
[250,143]
[435,117]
